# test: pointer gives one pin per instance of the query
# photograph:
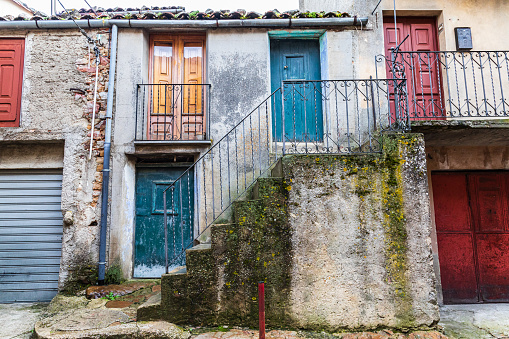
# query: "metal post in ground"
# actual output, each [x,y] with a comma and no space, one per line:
[261,309]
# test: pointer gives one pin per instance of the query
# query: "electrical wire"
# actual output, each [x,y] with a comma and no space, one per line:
[90,40]
[91,7]
[97,61]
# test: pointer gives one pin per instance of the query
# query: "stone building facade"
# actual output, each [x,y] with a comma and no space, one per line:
[206,106]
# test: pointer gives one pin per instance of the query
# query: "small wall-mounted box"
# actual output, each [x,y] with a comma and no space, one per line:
[463,38]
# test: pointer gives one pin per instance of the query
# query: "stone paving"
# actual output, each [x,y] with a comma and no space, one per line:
[479,321]
[251,334]
[18,320]
[79,317]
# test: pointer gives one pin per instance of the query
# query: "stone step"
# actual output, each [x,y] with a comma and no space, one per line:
[268,187]
[150,309]
[179,270]
[247,212]
[199,259]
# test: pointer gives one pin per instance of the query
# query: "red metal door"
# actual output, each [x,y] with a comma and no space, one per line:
[455,237]
[489,205]
[11,79]
[422,70]
[471,211]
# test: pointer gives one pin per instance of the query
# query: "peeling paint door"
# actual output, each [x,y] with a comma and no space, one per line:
[177,110]
[149,258]
[296,60]
[471,215]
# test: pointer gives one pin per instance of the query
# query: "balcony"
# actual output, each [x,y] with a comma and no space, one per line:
[453,85]
[172,113]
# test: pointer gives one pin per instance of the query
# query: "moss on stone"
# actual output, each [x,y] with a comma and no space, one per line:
[80,277]
[220,287]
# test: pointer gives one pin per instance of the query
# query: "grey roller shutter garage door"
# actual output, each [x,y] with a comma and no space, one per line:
[30,234]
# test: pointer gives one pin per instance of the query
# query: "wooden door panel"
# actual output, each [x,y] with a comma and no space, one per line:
[457,268]
[149,258]
[163,56]
[11,79]
[193,114]
[422,71]
[493,257]
[302,101]
[450,198]
[177,61]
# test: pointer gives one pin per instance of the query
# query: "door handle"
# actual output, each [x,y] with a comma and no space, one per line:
[285,67]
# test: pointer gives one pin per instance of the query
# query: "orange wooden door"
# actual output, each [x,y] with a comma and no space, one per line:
[422,70]
[178,109]
[161,121]
[11,79]
[193,93]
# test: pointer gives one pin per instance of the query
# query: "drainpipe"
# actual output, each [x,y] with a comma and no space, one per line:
[107,148]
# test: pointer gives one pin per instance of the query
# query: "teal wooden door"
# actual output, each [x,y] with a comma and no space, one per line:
[297,60]
[149,258]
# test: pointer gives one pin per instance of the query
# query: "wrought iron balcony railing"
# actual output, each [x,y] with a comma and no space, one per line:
[443,85]
[172,112]
[338,116]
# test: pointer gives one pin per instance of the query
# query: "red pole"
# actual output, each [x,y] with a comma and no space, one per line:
[261,309]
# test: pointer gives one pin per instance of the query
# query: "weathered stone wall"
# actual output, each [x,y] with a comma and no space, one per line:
[55,132]
[341,241]
[361,238]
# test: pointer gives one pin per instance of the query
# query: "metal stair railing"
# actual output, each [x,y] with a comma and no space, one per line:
[220,176]
[301,117]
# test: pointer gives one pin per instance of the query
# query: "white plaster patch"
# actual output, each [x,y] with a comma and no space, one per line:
[154,271]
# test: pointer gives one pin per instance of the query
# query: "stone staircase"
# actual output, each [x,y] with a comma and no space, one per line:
[219,283]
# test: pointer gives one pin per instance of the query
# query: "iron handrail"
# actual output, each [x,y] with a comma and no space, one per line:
[201,159]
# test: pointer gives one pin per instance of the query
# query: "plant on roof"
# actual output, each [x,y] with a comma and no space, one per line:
[193,14]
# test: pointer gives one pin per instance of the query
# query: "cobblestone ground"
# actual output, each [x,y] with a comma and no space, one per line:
[251,334]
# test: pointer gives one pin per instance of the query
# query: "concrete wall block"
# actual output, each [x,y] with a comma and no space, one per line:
[361,237]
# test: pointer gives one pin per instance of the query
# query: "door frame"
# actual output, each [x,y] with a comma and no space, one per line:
[406,20]
[184,165]
[315,35]
[473,224]
[178,41]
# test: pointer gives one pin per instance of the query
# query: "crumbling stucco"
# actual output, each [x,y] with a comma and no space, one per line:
[54,131]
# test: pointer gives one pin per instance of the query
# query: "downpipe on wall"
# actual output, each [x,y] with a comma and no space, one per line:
[107,152]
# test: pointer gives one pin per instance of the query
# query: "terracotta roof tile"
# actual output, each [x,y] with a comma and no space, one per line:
[171,13]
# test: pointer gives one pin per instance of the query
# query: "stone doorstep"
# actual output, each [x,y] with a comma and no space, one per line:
[145,330]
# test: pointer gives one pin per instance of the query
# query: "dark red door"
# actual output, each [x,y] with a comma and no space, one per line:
[471,211]
[422,70]
[11,78]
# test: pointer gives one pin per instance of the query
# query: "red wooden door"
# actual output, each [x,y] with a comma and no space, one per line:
[11,79]
[422,70]
[471,211]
